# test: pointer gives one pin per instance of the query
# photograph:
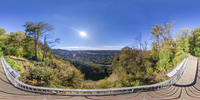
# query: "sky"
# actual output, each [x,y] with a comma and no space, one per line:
[109,24]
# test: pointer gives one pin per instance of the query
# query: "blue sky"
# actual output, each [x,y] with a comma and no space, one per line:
[109,24]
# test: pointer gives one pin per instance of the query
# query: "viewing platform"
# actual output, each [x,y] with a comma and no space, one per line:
[186,88]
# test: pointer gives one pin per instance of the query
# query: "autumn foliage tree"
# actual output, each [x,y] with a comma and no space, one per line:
[138,65]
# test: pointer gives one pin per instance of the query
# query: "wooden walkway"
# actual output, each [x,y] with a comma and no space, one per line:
[186,88]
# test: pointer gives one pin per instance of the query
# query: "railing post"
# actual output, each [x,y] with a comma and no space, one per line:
[171,82]
[15,83]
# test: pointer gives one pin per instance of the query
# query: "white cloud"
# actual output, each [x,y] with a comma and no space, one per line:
[92,48]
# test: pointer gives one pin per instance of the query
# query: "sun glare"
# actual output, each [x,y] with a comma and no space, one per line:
[82,33]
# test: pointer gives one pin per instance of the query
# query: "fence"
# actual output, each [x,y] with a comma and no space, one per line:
[109,91]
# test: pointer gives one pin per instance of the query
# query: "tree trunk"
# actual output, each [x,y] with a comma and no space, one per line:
[43,55]
[36,44]
[44,48]
[36,50]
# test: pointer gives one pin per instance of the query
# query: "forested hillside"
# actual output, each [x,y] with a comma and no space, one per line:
[137,65]
[40,67]
[92,71]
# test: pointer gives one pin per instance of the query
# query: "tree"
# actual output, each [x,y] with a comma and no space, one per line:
[2,31]
[182,39]
[48,43]
[16,41]
[36,30]
[163,34]
[138,41]
[163,47]
[157,31]
[195,42]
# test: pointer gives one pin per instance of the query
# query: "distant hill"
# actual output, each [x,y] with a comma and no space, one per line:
[94,56]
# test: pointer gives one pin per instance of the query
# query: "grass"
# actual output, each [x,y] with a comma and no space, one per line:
[14,64]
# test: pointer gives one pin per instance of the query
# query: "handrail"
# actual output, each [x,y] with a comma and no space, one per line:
[109,91]
[174,71]
[13,72]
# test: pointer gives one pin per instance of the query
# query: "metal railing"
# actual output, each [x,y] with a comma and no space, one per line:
[12,72]
[109,91]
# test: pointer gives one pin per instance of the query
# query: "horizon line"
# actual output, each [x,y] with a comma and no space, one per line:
[91,48]
[85,49]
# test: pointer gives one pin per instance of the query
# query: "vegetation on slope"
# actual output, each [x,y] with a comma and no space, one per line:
[92,71]
[53,73]
[138,64]
[132,66]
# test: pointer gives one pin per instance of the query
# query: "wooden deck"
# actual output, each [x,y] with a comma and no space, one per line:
[187,87]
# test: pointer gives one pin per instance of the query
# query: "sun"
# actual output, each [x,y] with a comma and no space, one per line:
[83,34]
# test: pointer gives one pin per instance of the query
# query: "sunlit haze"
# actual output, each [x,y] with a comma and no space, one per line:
[83,34]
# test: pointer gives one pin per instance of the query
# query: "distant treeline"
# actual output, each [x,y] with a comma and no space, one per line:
[104,57]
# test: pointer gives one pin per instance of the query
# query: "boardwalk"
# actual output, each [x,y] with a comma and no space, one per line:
[186,88]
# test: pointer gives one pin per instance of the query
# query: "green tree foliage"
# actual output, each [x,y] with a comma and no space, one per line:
[194,41]
[36,30]
[55,73]
[165,59]
[2,31]
[182,44]
[142,66]
[179,55]
[182,39]
[165,50]
[51,73]
[92,71]
[132,66]
[17,44]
